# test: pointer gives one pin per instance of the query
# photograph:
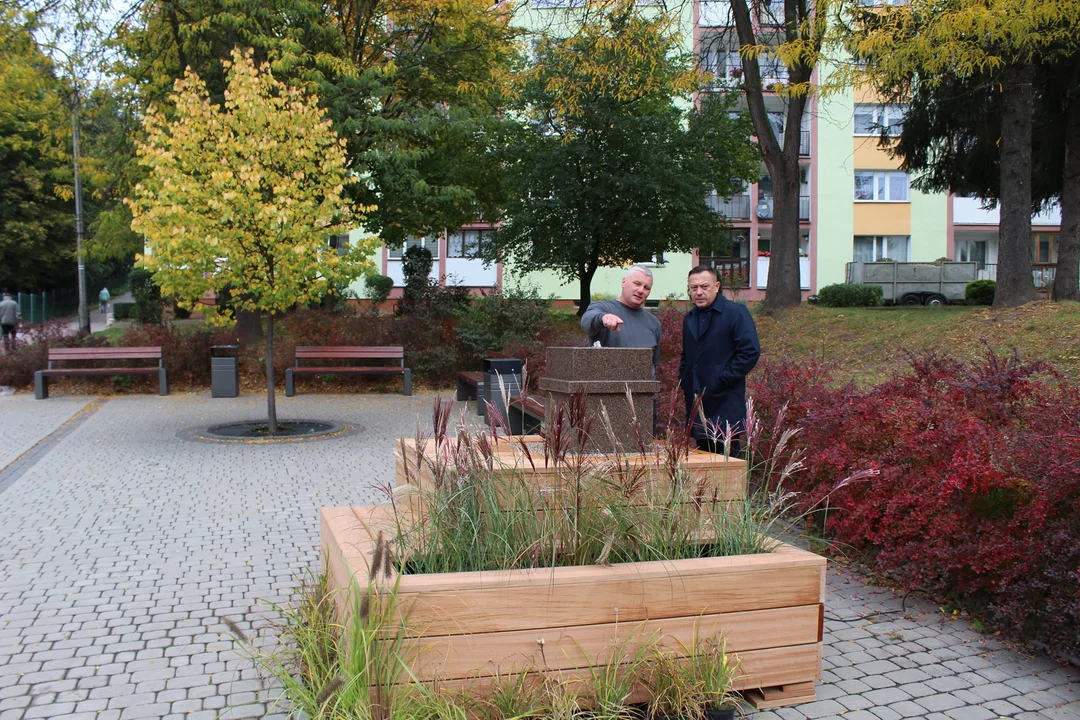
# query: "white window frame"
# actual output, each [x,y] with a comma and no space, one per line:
[881,186]
[891,116]
[880,247]
[430,242]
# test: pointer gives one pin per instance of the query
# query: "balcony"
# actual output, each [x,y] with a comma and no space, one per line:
[1042,274]
[764,209]
[737,206]
[733,272]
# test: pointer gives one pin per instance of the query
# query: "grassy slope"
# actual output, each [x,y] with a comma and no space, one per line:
[868,344]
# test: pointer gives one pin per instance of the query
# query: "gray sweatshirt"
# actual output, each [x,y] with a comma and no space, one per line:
[640,328]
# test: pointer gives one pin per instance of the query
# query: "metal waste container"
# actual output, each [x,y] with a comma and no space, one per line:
[224,371]
[502,381]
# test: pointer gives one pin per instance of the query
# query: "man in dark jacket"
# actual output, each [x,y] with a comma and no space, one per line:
[719,349]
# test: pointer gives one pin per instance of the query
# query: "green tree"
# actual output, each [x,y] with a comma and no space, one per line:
[934,41]
[952,141]
[611,169]
[245,196]
[410,84]
[36,226]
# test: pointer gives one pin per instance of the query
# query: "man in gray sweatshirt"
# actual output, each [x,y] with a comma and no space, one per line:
[625,322]
[9,321]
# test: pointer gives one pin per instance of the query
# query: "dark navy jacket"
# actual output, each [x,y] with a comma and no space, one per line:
[716,360]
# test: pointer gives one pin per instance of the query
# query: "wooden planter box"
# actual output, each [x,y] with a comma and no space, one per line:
[467,628]
[724,476]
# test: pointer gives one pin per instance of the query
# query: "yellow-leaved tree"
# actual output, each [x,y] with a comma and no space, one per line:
[242,199]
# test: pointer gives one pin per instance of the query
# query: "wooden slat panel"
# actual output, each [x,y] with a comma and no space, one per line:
[471,376]
[345,369]
[759,668]
[347,351]
[120,353]
[354,530]
[101,371]
[621,597]
[464,656]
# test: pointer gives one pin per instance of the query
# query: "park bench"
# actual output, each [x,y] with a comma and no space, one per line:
[470,384]
[348,352]
[111,354]
[526,414]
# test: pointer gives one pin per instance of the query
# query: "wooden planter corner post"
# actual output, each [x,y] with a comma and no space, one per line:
[467,628]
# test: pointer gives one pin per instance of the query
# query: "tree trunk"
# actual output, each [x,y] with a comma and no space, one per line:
[585,288]
[1067,275]
[271,405]
[780,155]
[1015,285]
[782,289]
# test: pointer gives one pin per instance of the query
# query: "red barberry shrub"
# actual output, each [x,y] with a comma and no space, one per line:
[978,494]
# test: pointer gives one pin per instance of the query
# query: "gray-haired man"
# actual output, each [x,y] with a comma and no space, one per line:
[9,319]
[625,322]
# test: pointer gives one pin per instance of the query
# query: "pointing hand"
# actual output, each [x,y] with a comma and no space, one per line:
[612,322]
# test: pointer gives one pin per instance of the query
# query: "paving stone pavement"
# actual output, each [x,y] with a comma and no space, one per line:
[125,544]
[25,421]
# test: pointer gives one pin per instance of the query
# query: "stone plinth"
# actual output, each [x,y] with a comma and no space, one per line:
[603,376]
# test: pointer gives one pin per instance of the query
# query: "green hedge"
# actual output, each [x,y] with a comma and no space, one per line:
[850,295]
[125,311]
[980,292]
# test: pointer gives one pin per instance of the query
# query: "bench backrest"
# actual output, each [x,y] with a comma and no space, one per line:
[349,352]
[105,353]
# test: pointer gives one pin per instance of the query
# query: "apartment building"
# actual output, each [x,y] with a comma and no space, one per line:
[855,203]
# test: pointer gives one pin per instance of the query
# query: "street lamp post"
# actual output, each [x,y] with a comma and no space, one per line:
[84,311]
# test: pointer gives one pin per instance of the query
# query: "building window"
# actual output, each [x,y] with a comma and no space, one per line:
[467,243]
[340,243]
[870,248]
[879,186]
[971,251]
[1045,248]
[871,119]
[431,243]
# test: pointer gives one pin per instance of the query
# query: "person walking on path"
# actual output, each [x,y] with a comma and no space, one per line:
[9,321]
[625,322]
[103,300]
[719,349]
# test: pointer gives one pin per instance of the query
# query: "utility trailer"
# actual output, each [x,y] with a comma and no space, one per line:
[908,283]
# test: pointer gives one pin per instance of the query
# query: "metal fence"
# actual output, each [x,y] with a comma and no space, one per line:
[41,307]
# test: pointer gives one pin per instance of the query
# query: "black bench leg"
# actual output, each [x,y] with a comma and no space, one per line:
[465,390]
[290,388]
[407,390]
[163,381]
[41,385]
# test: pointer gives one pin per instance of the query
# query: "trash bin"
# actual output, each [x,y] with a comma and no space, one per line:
[500,375]
[224,371]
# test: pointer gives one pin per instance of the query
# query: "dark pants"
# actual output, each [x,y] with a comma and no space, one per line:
[8,332]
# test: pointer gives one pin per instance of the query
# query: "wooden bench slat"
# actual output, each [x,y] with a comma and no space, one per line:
[60,354]
[471,376]
[335,369]
[102,371]
[389,353]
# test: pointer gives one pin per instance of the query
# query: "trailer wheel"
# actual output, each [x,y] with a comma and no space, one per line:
[936,300]
[911,299]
